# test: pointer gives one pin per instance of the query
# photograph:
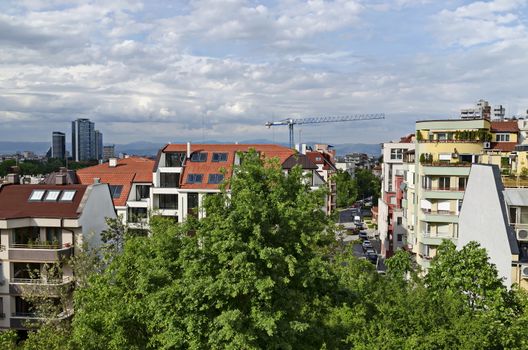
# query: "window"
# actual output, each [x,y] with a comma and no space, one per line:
[502,138]
[462,183]
[426,182]
[175,159]
[137,215]
[399,237]
[54,236]
[37,195]
[199,157]
[115,190]
[67,195]
[396,154]
[194,178]
[142,191]
[26,235]
[215,178]
[168,201]
[513,215]
[192,203]
[441,136]
[399,220]
[52,195]
[444,183]
[169,180]
[219,157]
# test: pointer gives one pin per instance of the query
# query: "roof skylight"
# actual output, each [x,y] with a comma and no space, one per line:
[52,195]
[37,195]
[67,195]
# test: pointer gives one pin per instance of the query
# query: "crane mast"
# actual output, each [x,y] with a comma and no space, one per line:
[290,122]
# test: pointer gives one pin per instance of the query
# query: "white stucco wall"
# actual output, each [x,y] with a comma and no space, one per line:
[97,208]
[481,219]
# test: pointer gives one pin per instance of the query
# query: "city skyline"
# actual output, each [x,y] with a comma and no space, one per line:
[159,71]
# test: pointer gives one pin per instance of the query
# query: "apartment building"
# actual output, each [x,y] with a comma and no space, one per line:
[325,162]
[42,226]
[390,212]
[445,150]
[496,216]
[185,173]
[130,182]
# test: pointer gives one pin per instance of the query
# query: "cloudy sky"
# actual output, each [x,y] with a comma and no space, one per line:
[164,71]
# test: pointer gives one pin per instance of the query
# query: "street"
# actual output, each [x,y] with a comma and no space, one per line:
[346,218]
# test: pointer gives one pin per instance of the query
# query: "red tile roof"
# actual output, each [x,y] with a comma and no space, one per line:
[15,204]
[504,126]
[125,173]
[321,159]
[209,167]
[504,146]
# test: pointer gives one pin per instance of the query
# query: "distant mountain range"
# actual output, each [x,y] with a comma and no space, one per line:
[144,148]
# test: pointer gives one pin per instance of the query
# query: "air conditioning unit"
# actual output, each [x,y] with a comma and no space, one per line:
[522,234]
[487,145]
[524,271]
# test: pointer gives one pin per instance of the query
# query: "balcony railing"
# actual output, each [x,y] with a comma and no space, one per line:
[438,212]
[40,245]
[439,235]
[446,189]
[446,164]
[41,281]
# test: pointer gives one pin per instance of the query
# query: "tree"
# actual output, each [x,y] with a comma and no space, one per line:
[252,274]
[367,185]
[468,274]
[346,189]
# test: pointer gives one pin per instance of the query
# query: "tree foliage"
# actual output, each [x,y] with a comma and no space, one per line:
[346,189]
[261,271]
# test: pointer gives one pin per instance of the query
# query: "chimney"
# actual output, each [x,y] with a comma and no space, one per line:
[97,180]
[188,150]
[13,179]
[60,179]
[112,162]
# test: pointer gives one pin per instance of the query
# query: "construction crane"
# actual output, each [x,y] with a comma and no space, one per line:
[316,120]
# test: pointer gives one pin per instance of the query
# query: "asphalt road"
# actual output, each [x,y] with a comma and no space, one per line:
[346,217]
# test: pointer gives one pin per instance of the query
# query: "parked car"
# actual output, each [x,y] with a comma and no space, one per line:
[366,244]
[359,225]
[372,256]
[363,235]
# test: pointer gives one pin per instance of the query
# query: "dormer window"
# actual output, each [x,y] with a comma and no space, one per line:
[199,157]
[219,157]
[194,178]
[115,190]
[502,138]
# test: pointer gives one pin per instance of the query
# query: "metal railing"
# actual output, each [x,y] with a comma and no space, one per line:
[446,164]
[441,235]
[41,245]
[446,189]
[438,212]
[41,281]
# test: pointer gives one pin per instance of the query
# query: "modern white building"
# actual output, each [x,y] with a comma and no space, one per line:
[390,205]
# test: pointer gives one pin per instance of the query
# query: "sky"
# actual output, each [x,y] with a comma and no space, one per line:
[175,71]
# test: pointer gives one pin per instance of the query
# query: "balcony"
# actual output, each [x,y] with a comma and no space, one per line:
[40,252]
[515,182]
[434,238]
[440,216]
[26,320]
[440,168]
[444,192]
[48,285]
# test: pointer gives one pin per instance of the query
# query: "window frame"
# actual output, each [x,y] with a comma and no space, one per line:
[219,157]
[194,178]
[199,157]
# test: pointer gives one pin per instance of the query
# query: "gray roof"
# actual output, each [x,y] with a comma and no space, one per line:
[517,197]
